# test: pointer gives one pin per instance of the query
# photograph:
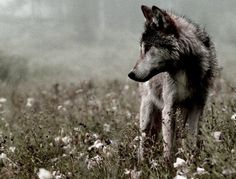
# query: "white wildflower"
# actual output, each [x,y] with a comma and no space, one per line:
[109,95]
[107,151]
[80,155]
[66,140]
[128,114]
[3,157]
[179,163]
[62,132]
[127,172]
[57,175]
[54,160]
[137,138]
[30,102]
[114,105]
[69,174]
[180,150]
[3,100]
[12,149]
[180,177]
[5,160]
[6,124]
[93,162]
[95,136]
[95,102]
[97,144]
[233,117]
[143,134]
[106,127]
[57,139]
[67,103]
[44,174]
[114,108]
[229,171]
[71,150]
[154,164]
[61,108]
[54,173]
[67,148]
[201,171]
[217,136]
[79,91]
[134,174]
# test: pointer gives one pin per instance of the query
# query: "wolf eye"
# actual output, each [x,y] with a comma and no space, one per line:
[146,48]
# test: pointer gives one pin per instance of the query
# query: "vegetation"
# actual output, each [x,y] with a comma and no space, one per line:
[90,130]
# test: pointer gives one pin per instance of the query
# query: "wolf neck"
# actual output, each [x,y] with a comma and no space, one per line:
[188,72]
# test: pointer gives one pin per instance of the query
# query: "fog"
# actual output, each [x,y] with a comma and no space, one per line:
[61,40]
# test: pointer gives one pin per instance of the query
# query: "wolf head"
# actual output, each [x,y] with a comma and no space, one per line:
[157,45]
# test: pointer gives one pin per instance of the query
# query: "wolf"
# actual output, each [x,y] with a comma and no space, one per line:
[176,69]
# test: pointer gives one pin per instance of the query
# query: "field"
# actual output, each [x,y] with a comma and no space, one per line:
[90,130]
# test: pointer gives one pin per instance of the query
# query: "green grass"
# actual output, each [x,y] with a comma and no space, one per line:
[57,130]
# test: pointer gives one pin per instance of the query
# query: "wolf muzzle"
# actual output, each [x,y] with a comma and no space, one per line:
[134,77]
[131,75]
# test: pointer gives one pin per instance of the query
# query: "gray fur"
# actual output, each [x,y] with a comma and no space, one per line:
[177,67]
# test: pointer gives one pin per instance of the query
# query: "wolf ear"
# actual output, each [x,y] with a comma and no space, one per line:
[147,12]
[163,20]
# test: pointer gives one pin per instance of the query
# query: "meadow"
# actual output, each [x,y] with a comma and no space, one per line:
[89,129]
[64,116]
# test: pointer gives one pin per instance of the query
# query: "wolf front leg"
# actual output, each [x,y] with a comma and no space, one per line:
[168,131]
[194,116]
[150,124]
[145,111]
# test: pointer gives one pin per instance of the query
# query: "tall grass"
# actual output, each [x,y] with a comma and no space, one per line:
[90,130]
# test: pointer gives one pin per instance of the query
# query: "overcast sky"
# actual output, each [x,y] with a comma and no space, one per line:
[84,36]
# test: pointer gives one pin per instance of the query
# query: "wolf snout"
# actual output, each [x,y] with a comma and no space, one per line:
[131,75]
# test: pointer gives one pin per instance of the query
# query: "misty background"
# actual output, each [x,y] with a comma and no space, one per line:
[72,40]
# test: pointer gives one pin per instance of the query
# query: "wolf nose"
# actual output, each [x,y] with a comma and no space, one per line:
[131,75]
